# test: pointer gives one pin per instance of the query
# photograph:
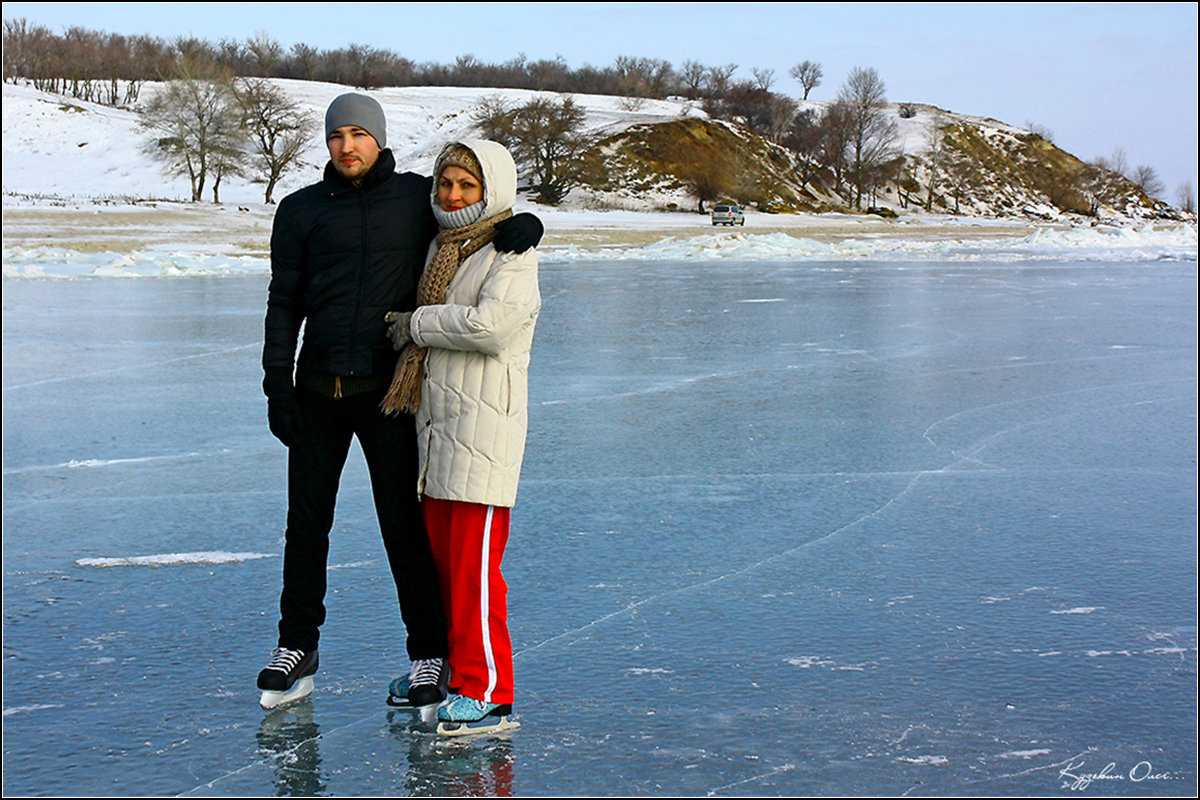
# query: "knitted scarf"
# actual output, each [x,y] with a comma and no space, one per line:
[454,245]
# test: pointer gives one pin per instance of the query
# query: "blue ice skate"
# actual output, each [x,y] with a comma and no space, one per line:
[465,716]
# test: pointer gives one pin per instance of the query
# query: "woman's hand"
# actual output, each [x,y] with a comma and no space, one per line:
[399,331]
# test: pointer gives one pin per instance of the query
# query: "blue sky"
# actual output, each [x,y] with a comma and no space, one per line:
[1100,76]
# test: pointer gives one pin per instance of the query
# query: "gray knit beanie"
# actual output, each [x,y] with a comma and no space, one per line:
[361,112]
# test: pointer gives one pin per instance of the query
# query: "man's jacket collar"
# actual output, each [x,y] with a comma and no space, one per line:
[384,167]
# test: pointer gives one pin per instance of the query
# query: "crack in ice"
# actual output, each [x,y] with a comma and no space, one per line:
[764,776]
[744,570]
[115,370]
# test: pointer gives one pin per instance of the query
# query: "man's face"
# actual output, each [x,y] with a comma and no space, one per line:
[353,152]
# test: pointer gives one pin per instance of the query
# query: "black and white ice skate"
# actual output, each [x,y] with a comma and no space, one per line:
[463,716]
[422,689]
[287,678]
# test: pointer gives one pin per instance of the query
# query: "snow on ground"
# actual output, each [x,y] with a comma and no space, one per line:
[174,559]
[1104,245]
[59,147]
[82,198]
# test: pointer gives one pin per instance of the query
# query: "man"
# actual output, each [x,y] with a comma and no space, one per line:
[345,252]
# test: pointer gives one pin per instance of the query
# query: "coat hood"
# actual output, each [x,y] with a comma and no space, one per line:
[499,174]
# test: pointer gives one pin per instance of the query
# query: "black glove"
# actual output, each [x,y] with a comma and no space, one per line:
[283,412]
[518,233]
[283,415]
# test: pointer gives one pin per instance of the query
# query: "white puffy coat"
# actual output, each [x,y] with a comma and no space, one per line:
[473,417]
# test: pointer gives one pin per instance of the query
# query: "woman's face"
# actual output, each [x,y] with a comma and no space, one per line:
[458,188]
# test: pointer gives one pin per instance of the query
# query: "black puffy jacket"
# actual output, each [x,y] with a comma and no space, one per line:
[341,257]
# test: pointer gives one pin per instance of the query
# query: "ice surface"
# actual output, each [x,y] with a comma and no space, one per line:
[786,527]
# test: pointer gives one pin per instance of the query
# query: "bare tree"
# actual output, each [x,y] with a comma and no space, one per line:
[466,71]
[266,52]
[225,160]
[549,75]
[1147,178]
[495,120]
[148,57]
[19,49]
[763,78]
[1116,162]
[196,119]
[809,74]
[279,128]
[1119,163]
[882,173]
[766,114]
[545,136]
[1186,197]
[643,77]
[1094,186]
[778,117]
[871,135]
[710,179]
[633,79]
[693,77]
[75,64]
[188,50]
[1040,130]
[356,65]
[936,137]
[304,60]
[962,174]
[804,138]
[835,136]
[368,61]
[232,55]
[717,79]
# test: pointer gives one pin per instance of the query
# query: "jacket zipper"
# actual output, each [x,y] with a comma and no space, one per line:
[362,276]
[428,434]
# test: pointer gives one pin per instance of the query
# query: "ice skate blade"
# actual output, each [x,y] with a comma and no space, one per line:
[300,689]
[484,726]
[427,713]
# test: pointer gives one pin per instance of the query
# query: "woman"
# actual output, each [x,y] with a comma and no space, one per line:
[463,372]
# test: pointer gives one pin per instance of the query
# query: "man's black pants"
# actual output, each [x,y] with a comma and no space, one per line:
[315,466]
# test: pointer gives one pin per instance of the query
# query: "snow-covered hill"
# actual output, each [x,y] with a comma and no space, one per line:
[59,148]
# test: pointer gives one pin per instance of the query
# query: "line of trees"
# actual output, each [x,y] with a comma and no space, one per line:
[86,63]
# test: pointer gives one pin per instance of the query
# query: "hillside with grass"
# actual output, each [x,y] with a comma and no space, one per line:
[950,164]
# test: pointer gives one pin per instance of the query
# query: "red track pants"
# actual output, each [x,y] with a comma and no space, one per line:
[468,543]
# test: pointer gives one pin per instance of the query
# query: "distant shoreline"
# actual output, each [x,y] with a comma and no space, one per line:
[85,226]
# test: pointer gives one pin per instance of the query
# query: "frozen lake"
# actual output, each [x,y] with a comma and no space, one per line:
[853,528]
